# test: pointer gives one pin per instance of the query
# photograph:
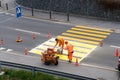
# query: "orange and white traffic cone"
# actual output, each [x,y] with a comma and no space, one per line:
[116,52]
[19,39]
[49,35]
[33,36]
[2,42]
[25,51]
[76,63]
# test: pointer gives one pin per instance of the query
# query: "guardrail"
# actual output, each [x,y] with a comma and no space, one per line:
[33,69]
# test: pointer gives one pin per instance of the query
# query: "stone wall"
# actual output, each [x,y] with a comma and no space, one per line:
[95,8]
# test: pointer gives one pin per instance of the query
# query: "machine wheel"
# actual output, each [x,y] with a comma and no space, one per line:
[56,62]
[47,62]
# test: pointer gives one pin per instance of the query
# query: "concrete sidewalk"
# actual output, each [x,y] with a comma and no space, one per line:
[60,17]
[82,69]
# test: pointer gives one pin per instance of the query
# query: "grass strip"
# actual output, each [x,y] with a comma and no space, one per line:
[14,74]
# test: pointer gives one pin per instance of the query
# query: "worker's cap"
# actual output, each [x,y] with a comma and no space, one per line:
[56,39]
[66,42]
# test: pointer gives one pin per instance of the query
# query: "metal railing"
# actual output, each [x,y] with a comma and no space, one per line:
[33,69]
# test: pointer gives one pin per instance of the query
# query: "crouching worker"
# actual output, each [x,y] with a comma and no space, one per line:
[60,43]
[69,48]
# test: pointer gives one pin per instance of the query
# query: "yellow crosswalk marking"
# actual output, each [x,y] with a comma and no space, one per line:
[87,27]
[35,51]
[77,53]
[62,57]
[83,50]
[90,31]
[87,34]
[82,44]
[85,39]
[51,42]
[80,36]
[80,40]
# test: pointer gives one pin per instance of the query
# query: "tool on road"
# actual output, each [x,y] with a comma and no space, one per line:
[49,35]
[48,57]
[19,39]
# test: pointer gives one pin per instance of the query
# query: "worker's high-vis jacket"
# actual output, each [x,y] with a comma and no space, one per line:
[60,42]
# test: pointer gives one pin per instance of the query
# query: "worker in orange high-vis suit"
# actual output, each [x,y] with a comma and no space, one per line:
[60,43]
[69,47]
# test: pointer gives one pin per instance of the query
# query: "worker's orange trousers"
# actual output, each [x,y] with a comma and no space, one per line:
[70,55]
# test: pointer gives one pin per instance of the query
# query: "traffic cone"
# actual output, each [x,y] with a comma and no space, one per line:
[19,38]
[2,42]
[33,36]
[76,63]
[49,35]
[117,52]
[101,43]
[25,51]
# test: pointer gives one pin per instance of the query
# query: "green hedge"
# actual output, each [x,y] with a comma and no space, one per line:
[11,74]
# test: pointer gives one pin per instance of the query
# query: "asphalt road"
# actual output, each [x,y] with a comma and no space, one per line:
[10,26]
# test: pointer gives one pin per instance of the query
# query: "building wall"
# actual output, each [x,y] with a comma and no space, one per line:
[108,9]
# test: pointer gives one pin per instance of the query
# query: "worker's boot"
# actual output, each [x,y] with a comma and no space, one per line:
[70,61]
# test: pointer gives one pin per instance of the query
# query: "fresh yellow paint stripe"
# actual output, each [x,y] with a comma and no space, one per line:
[78,44]
[36,51]
[82,50]
[80,40]
[80,36]
[87,34]
[79,53]
[87,27]
[76,49]
[82,45]
[91,31]
[64,57]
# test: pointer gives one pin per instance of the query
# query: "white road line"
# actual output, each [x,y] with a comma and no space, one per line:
[23,55]
[6,20]
[2,48]
[27,31]
[105,68]
[1,12]
[9,50]
[114,46]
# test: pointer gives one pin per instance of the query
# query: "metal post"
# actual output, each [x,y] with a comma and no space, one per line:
[50,7]
[6,6]
[33,71]
[1,72]
[0,3]
[68,10]
[50,15]
[32,11]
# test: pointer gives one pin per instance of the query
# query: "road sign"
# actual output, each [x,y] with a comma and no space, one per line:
[18,11]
